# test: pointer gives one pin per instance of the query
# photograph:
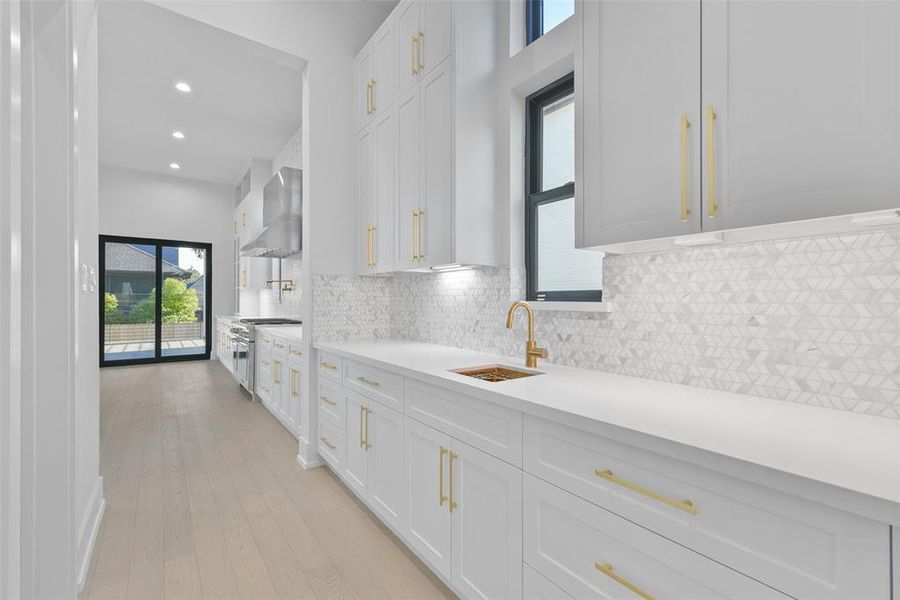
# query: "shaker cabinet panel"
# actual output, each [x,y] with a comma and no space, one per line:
[362,84]
[384,209]
[408,177]
[436,33]
[356,464]
[384,68]
[435,228]
[805,116]
[641,142]
[365,198]
[406,27]
[387,492]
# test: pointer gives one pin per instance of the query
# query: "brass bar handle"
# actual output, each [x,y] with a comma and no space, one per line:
[421,38]
[244,219]
[362,442]
[421,227]
[327,365]
[685,125]
[369,382]
[368,96]
[413,44]
[607,569]
[293,383]
[235,227]
[325,441]
[712,201]
[277,370]
[441,497]
[277,345]
[374,110]
[685,505]
[368,247]
[412,237]
[327,400]
[453,504]
[372,241]
[366,444]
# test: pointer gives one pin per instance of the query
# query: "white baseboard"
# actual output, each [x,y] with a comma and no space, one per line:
[307,455]
[88,530]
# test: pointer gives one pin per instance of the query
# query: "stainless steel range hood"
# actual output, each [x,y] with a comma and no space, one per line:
[282,233]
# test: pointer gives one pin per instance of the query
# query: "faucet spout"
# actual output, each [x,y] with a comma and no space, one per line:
[532,352]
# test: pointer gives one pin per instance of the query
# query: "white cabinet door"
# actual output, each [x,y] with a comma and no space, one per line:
[486,500]
[277,387]
[639,177]
[409,180]
[365,198]
[805,97]
[427,457]
[292,393]
[385,200]
[355,457]
[435,224]
[406,27]
[384,67]
[362,86]
[387,494]
[436,34]
[254,272]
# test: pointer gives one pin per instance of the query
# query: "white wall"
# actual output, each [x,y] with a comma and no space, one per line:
[135,203]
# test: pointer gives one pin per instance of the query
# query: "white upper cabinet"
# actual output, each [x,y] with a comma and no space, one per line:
[805,97]
[774,121]
[365,198]
[641,118]
[362,86]
[442,198]
[377,195]
[384,68]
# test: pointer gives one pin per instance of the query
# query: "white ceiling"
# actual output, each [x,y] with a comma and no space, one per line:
[245,99]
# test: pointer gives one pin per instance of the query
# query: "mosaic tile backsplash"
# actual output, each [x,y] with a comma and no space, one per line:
[812,320]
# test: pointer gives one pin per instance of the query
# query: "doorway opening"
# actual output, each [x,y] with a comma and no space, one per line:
[155,300]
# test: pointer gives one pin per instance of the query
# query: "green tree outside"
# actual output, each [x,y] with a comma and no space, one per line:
[110,303]
[179,304]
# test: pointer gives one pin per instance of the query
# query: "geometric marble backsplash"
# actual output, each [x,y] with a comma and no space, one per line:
[810,320]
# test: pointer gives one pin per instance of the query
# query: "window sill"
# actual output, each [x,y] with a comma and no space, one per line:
[593,307]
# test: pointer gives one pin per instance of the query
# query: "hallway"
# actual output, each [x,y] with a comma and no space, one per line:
[205,500]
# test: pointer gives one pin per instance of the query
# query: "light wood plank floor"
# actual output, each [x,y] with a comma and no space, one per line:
[205,500]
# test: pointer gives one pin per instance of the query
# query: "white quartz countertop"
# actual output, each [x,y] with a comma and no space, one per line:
[857,452]
[291,332]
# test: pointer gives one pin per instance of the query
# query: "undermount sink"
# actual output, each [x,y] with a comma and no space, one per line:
[495,373]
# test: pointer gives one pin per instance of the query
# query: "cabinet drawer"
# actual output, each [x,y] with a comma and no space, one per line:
[295,350]
[374,383]
[279,346]
[264,341]
[330,366]
[537,587]
[591,553]
[495,429]
[800,547]
[331,401]
[331,443]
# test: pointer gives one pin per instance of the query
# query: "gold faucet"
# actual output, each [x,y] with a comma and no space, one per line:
[532,352]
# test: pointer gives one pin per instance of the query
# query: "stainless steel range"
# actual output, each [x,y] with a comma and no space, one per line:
[243,347]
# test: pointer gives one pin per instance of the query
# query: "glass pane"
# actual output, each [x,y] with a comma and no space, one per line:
[129,302]
[557,11]
[183,301]
[558,144]
[560,266]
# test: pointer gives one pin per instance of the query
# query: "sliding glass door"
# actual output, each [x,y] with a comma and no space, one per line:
[155,300]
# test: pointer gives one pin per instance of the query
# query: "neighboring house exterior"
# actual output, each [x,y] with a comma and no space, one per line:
[199,287]
[131,274]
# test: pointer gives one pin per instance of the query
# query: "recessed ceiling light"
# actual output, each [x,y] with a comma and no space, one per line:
[182,87]
[175,166]
[178,135]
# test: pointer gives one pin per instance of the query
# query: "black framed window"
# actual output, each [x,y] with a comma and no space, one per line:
[543,15]
[556,270]
[155,300]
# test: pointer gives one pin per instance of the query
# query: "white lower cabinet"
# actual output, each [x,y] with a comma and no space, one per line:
[591,553]
[356,460]
[427,452]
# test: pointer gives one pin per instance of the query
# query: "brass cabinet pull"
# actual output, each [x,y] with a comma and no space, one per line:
[366,443]
[685,505]
[712,202]
[235,227]
[296,353]
[421,215]
[368,98]
[368,247]
[420,66]
[293,383]
[372,242]
[685,125]
[326,400]
[244,278]
[277,371]
[362,379]
[327,365]
[362,442]
[372,88]
[277,345]
[325,441]
[607,569]
[453,504]
[244,219]
[412,237]
[412,46]
[441,497]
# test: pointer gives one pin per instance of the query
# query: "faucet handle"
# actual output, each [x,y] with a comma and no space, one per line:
[539,352]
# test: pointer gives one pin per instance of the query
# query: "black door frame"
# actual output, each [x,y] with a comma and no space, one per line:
[157,354]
